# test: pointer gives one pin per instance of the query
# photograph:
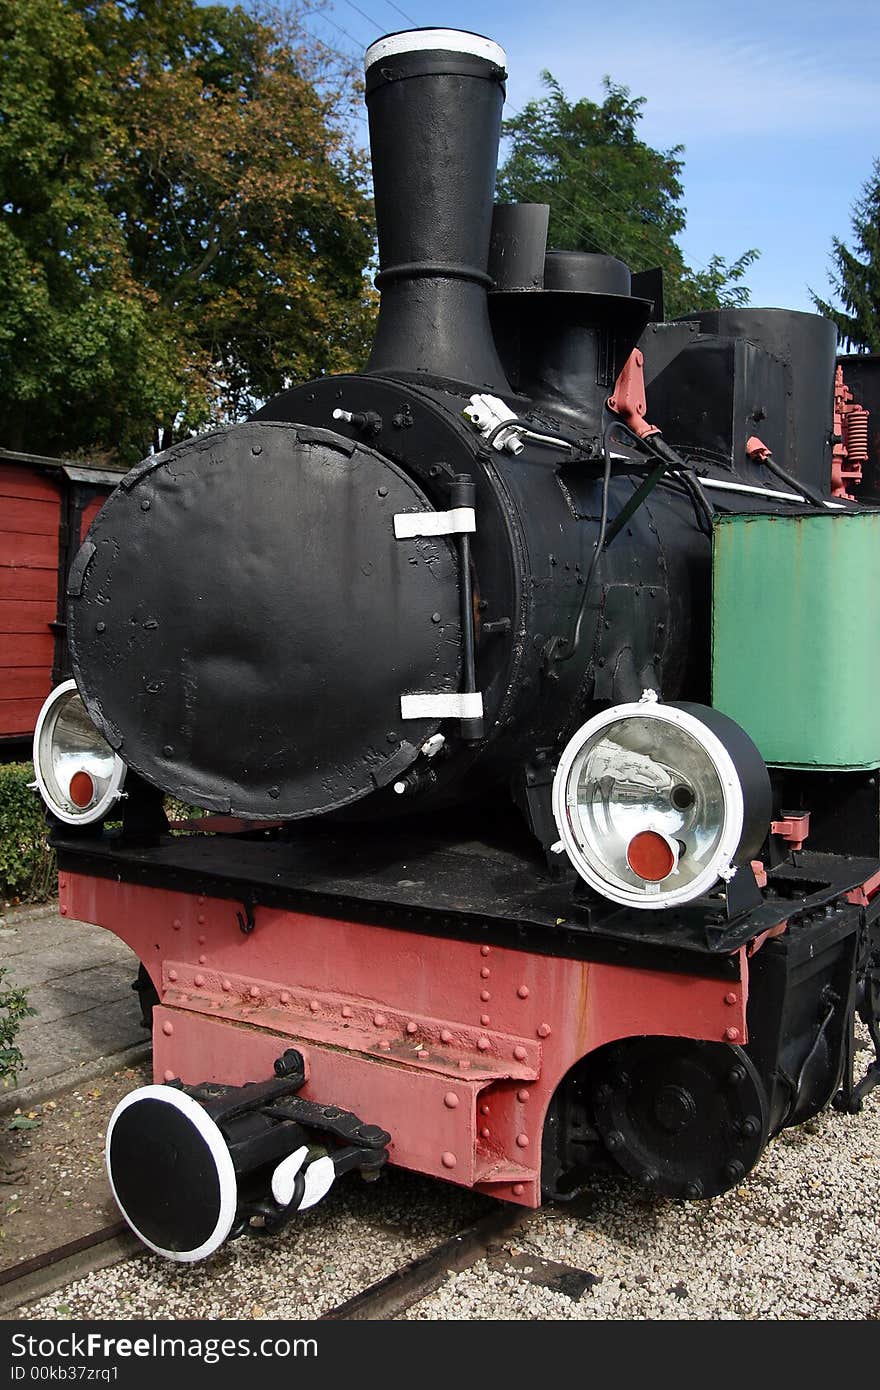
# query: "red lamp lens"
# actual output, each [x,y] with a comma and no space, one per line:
[82,789]
[649,856]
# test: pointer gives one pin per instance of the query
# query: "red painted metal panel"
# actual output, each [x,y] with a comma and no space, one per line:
[28,615]
[457,1048]
[354,1022]
[19,481]
[22,549]
[411,1104]
[28,584]
[36,517]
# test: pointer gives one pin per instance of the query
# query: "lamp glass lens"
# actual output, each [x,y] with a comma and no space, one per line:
[642,774]
[71,744]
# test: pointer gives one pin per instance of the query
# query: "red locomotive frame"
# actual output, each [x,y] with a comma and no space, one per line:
[464,1093]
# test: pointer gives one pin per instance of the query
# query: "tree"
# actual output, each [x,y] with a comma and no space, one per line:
[856,278]
[610,192]
[71,322]
[184,219]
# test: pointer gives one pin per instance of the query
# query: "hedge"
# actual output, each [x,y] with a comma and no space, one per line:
[27,864]
[28,872]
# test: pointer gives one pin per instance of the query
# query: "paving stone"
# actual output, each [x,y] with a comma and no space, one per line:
[78,977]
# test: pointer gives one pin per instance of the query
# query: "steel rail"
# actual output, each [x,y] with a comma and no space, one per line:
[409,1285]
[42,1274]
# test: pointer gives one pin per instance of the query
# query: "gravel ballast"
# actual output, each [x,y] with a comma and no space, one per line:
[800,1239]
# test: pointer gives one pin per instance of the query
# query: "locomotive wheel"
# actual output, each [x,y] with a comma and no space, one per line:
[687,1118]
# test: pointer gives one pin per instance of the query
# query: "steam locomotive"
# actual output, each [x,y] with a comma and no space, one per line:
[522,676]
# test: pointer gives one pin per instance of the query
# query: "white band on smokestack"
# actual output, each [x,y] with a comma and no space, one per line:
[435,40]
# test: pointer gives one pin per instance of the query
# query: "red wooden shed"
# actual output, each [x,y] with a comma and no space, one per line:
[46,508]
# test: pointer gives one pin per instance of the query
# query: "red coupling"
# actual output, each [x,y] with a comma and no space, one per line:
[628,398]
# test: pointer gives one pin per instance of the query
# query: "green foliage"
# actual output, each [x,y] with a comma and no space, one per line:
[14,1007]
[27,864]
[856,277]
[71,324]
[184,224]
[179,812]
[610,192]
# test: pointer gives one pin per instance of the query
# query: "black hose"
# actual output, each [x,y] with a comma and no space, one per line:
[657,446]
[811,496]
[703,509]
[830,1012]
[600,539]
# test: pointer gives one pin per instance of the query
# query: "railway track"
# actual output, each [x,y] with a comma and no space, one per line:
[32,1279]
[43,1274]
[393,1295]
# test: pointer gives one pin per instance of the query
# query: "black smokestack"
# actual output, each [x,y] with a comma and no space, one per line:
[434,98]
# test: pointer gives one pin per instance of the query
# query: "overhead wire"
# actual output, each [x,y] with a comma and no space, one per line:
[357,42]
[368,17]
[627,208]
[403,13]
[653,243]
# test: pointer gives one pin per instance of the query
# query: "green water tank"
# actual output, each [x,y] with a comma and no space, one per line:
[795,627]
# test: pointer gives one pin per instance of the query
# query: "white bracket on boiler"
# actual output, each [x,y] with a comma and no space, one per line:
[468,705]
[487,414]
[455,523]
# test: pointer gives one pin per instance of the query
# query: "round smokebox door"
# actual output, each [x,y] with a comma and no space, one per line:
[243,621]
[171,1173]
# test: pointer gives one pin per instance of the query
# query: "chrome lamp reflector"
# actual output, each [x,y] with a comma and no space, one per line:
[655,803]
[78,773]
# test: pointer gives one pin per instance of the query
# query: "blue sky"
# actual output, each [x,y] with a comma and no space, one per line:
[777,105]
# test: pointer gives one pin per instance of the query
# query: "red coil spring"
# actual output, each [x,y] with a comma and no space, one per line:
[855,429]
